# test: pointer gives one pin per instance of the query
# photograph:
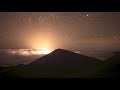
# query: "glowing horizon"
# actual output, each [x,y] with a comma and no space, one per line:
[27,52]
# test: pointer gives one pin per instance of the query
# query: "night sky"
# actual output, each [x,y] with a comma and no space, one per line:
[68,30]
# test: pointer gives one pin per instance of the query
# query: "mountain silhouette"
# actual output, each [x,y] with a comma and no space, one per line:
[63,63]
[117,53]
[110,68]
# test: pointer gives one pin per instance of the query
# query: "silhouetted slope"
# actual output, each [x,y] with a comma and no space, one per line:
[109,68]
[15,72]
[64,63]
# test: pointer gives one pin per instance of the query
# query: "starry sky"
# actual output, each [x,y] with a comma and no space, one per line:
[68,30]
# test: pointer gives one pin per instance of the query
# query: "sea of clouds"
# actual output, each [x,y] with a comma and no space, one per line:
[9,57]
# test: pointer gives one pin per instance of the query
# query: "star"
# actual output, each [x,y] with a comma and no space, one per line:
[29,19]
[51,14]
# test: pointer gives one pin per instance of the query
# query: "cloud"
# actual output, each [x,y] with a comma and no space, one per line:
[16,56]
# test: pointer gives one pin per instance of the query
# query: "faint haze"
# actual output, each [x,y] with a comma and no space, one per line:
[51,30]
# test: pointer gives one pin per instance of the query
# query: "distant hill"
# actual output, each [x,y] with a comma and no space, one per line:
[117,53]
[63,63]
[110,68]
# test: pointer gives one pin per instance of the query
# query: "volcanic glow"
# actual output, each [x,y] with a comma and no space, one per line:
[46,51]
[41,51]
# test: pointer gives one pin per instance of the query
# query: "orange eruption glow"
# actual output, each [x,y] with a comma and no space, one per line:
[45,51]
[41,51]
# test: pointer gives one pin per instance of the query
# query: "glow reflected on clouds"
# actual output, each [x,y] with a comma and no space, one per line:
[27,52]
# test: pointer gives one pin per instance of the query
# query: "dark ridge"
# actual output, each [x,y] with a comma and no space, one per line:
[117,52]
[110,68]
[65,55]
[61,50]
[62,62]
